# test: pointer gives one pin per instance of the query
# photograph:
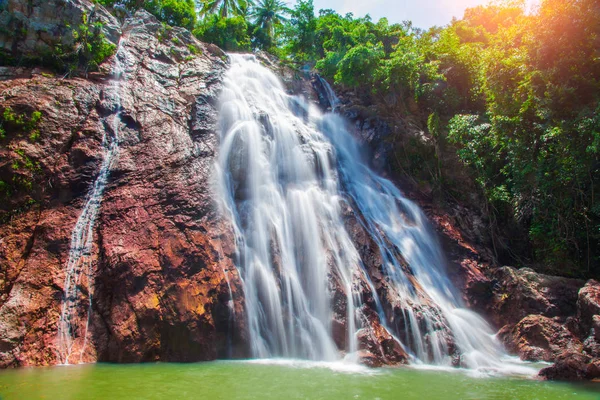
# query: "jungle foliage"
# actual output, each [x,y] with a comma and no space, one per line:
[517,95]
[514,95]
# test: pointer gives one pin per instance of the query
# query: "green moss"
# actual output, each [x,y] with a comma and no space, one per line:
[26,162]
[20,124]
[89,49]
[194,50]
[21,177]
[5,189]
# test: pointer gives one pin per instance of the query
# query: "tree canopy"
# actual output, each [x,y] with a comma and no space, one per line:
[514,96]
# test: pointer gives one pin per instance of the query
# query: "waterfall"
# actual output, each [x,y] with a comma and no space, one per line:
[332,99]
[286,173]
[75,312]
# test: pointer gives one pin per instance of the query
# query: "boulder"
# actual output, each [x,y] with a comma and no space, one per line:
[593,370]
[596,327]
[570,366]
[537,338]
[377,347]
[523,292]
[588,306]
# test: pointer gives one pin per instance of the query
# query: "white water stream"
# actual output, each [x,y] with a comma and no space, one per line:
[286,171]
[75,313]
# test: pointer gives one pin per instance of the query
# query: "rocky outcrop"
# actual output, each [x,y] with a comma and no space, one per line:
[588,307]
[162,284]
[38,28]
[537,338]
[523,292]
[377,347]
[588,317]
[576,363]
[558,321]
[570,366]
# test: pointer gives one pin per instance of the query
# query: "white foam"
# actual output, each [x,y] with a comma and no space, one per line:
[336,366]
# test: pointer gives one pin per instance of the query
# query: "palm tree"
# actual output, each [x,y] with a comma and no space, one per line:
[269,13]
[224,8]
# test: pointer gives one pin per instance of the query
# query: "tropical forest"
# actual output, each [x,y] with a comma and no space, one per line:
[304,199]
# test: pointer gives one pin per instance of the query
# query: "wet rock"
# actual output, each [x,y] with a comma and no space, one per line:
[588,305]
[596,327]
[537,338]
[523,292]
[591,346]
[369,359]
[593,370]
[377,347]
[36,225]
[570,366]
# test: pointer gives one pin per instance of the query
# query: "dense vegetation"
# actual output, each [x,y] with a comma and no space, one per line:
[513,96]
[516,96]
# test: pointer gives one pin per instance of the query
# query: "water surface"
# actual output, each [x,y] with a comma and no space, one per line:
[271,380]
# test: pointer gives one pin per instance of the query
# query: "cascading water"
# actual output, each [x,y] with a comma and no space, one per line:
[285,171]
[74,311]
[332,99]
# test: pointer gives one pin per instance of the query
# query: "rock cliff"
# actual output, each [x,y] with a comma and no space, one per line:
[165,287]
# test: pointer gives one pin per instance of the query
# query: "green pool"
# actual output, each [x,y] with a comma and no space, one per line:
[271,380]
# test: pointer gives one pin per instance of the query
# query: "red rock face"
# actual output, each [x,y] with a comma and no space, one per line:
[377,347]
[537,338]
[570,366]
[35,239]
[569,338]
[164,283]
[523,292]
[164,291]
[576,363]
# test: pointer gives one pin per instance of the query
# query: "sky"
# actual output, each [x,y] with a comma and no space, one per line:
[423,13]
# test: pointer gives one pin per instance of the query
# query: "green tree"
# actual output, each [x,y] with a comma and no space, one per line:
[533,146]
[300,32]
[357,66]
[268,15]
[231,34]
[225,8]
[173,12]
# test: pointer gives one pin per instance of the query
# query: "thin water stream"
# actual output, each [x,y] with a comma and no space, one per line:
[75,312]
